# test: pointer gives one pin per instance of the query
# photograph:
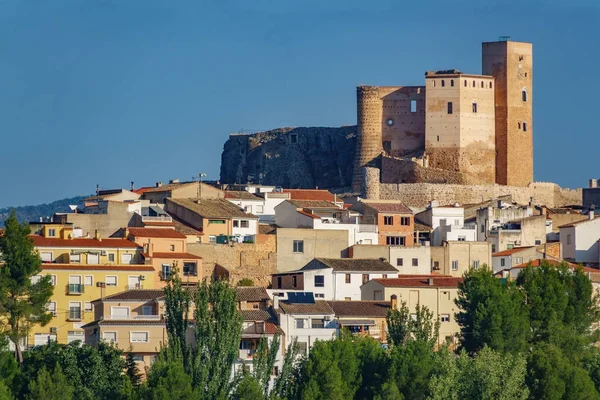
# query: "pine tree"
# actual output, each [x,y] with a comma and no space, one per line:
[22,302]
[132,369]
[50,386]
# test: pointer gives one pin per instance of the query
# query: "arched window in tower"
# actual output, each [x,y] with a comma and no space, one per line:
[433,82]
[524,94]
[473,83]
[443,83]
[451,82]
[491,85]
[482,85]
[466,83]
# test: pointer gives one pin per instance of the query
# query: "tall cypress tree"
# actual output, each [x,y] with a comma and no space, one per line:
[22,302]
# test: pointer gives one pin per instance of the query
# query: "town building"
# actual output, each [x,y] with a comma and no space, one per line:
[175,189]
[579,241]
[447,224]
[413,260]
[456,258]
[395,221]
[507,259]
[296,247]
[334,278]
[367,318]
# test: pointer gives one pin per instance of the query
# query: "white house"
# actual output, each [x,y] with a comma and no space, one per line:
[498,215]
[507,259]
[321,214]
[447,224]
[580,240]
[334,279]
[261,202]
[305,319]
[409,260]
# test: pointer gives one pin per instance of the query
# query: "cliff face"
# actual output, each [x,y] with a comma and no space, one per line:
[291,157]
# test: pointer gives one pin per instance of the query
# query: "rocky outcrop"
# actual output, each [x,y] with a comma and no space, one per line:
[291,157]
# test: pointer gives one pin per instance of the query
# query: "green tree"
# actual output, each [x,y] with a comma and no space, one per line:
[22,302]
[248,388]
[245,282]
[168,380]
[5,392]
[132,369]
[177,306]
[285,382]
[264,361]
[444,383]
[402,327]
[492,313]
[410,368]
[50,386]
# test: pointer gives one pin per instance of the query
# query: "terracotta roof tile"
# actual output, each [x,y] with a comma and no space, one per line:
[167,187]
[256,315]
[360,308]
[212,208]
[178,256]
[510,251]
[391,208]
[352,265]
[309,215]
[538,262]
[423,281]
[267,229]
[134,322]
[318,307]
[158,223]
[251,293]
[111,243]
[185,228]
[312,204]
[309,194]
[242,195]
[156,233]
[257,329]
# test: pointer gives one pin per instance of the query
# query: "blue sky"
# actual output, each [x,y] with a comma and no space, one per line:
[106,92]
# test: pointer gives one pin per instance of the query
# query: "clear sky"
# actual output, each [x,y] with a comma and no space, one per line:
[108,92]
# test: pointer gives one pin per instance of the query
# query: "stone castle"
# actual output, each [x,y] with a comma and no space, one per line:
[459,138]
[475,125]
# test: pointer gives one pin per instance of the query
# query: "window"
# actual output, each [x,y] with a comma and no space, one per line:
[319,281]
[51,232]
[299,324]
[260,209]
[415,262]
[436,265]
[388,220]
[244,223]
[538,242]
[568,238]
[212,239]
[456,222]
[347,298]
[405,221]
[466,83]
[493,248]
[51,307]
[172,247]
[524,94]
[502,262]
[399,262]
[462,238]
[111,280]
[510,246]
[46,256]
[482,228]
[451,82]
[275,371]
[524,126]
[348,278]
[298,246]
[491,85]
[93,258]
[389,122]
[519,124]
[365,278]
[474,107]
[119,312]
[126,258]
[519,260]
[138,337]
[279,281]
[395,240]
[111,257]
[110,337]
[248,209]
[449,107]
[384,276]
[74,311]
[454,265]
[438,138]
[88,280]
[87,306]
[473,83]
[475,264]
[443,83]
[74,336]
[35,279]
[294,281]
[445,317]
[294,138]
[75,258]
[319,295]
[53,280]
[137,357]
[413,106]
[146,310]
[432,83]
[317,323]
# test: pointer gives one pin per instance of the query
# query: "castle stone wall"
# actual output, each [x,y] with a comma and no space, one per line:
[369,138]
[419,194]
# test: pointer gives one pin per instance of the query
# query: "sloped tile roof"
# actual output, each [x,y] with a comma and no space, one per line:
[111,243]
[137,294]
[309,194]
[241,194]
[168,233]
[422,281]
[93,267]
[165,188]
[256,315]
[133,322]
[213,208]
[269,329]
[360,308]
[392,208]
[174,256]
[251,293]
[312,204]
[318,307]
[353,265]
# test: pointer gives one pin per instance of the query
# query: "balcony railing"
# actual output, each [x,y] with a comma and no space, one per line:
[75,288]
[163,218]
[246,353]
[132,317]
[367,228]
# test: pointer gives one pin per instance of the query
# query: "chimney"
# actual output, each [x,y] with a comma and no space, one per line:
[159,184]
[382,259]
[125,232]
[430,281]
[275,301]
[531,202]
[132,186]
[97,235]
[592,211]
[433,203]
[593,183]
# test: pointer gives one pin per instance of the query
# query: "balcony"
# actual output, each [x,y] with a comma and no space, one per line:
[75,288]
[138,317]
[161,218]
[246,354]
[75,314]
[364,228]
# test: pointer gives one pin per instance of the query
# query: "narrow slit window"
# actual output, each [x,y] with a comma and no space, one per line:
[449,107]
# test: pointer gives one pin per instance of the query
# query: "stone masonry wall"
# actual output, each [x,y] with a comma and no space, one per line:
[419,194]
[256,261]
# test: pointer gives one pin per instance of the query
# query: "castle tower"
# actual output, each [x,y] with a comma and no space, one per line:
[511,64]
[369,135]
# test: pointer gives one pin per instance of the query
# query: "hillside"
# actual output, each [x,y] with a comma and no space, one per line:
[33,213]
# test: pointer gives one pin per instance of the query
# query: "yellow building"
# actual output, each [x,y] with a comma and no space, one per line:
[83,270]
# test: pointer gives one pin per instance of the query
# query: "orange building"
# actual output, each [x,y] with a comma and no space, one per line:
[395,221]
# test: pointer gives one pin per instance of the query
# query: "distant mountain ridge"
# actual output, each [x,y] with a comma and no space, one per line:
[33,213]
